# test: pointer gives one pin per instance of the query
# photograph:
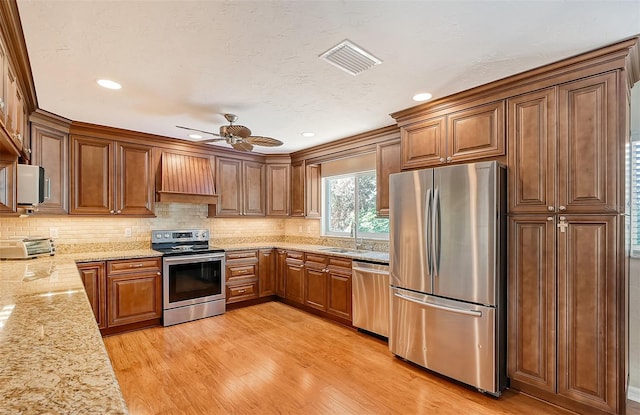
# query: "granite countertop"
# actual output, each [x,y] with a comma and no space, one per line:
[362,255]
[52,357]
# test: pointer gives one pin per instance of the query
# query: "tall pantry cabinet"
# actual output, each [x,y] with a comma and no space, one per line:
[566,281]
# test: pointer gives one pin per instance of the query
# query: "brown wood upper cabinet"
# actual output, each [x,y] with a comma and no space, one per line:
[306,185]
[110,177]
[51,151]
[464,135]
[572,168]
[387,162]
[297,188]
[278,189]
[8,186]
[240,185]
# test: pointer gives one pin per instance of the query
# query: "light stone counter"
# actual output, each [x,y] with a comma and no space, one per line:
[362,255]
[52,358]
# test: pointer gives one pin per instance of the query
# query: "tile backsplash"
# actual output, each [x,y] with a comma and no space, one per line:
[71,231]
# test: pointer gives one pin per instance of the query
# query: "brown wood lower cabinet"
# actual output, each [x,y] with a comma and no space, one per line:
[281,271]
[124,294]
[267,272]
[93,278]
[339,287]
[294,277]
[315,281]
[242,269]
[563,284]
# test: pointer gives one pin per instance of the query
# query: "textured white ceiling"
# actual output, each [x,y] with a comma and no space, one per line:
[188,62]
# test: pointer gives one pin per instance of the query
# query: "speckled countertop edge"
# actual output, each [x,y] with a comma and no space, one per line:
[372,256]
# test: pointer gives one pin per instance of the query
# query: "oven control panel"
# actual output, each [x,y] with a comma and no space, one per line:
[180,235]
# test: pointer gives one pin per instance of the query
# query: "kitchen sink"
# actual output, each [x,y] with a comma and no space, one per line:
[341,250]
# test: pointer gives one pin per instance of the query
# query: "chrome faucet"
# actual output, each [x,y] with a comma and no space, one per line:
[354,235]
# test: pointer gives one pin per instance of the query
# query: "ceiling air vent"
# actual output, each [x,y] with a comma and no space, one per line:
[350,58]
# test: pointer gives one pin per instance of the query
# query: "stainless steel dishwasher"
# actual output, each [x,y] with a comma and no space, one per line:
[370,292]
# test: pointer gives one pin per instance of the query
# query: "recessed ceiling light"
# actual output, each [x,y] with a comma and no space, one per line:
[106,83]
[308,134]
[423,96]
[195,136]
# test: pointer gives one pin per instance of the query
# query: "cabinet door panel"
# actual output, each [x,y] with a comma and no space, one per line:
[134,298]
[387,162]
[50,150]
[91,176]
[587,317]
[267,272]
[588,145]
[532,306]
[339,296]
[297,188]
[316,288]
[476,133]
[532,152]
[295,282]
[229,187]
[135,180]
[94,280]
[278,180]
[423,143]
[253,188]
[313,190]
[8,186]
[281,271]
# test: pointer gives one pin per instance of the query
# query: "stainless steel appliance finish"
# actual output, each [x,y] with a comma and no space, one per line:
[448,274]
[193,275]
[370,297]
[26,248]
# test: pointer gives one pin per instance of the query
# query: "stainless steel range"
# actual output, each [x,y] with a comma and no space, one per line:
[193,275]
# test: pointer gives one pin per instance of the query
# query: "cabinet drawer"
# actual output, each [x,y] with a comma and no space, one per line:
[129,266]
[295,255]
[235,255]
[316,260]
[242,292]
[340,263]
[236,272]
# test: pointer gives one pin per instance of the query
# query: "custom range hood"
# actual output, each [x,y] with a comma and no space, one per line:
[186,179]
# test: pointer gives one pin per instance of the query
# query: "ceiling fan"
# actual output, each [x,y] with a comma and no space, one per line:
[237,136]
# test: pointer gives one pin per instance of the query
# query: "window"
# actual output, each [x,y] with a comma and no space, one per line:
[350,206]
[635,197]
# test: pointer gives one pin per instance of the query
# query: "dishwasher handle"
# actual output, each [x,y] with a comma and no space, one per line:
[474,313]
[370,271]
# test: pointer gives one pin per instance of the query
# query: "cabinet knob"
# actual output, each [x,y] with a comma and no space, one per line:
[441,159]
[562,208]
[563,218]
[158,273]
[550,218]
[550,208]
[449,158]
[111,211]
[118,212]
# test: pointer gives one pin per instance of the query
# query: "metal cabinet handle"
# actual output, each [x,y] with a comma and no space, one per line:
[111,211]
[550,208]
[562,208]
[136,265]
[550,218]
[441,159]
[158,273]
[242,291]
[48,195]
[449,158]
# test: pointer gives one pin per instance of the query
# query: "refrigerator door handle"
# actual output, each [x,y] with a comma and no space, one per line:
[427,231]
[436,233]
[466,312]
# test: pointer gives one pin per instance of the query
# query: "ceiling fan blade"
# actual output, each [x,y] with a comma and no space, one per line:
[237,130]
[212,140]
[200,131]
[263,141]
[242,146]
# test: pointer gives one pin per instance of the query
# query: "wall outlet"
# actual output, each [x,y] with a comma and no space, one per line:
[53,232]
[127,232]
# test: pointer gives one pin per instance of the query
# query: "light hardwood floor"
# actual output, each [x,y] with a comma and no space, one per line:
[272,358]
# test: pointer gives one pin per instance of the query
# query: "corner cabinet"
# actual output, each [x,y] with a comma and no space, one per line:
[387,163]
[464,135]
[240,186]
[93,275]
[111,178]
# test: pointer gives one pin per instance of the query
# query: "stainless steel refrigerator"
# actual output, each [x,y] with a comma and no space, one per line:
[448,271]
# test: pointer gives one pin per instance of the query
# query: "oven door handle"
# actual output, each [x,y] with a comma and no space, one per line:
[189,259]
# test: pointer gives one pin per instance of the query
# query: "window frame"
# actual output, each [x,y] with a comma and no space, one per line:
[326,217]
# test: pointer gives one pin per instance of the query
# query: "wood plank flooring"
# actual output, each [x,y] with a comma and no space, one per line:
[272,358]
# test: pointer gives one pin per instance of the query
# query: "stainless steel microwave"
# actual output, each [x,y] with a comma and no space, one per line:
[31,185]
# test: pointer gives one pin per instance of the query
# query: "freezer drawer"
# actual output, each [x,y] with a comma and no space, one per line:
[370,297]
[453,338]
